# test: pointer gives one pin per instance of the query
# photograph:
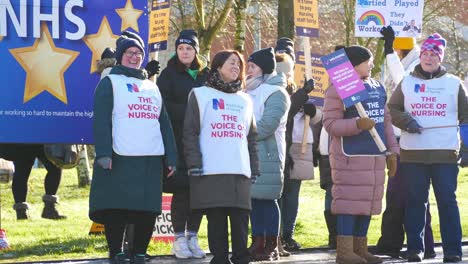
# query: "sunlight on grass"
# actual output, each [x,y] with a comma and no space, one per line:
[41,239]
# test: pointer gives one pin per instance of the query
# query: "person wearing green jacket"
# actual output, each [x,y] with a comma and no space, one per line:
[134,140]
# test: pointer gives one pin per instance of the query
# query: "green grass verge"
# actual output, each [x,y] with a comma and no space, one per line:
[40,239]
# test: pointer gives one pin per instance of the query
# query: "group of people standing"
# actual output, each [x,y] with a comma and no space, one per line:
[426,106]
[175,147]
[176,143]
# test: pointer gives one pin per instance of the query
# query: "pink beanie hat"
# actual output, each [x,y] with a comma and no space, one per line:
[435,43]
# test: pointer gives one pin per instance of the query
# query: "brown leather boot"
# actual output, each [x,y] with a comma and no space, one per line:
[360,248]
[271,247]
[282,251]
[257,249]
[345,253]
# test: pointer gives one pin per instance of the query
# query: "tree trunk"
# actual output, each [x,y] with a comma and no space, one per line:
[240,12]
[286,19]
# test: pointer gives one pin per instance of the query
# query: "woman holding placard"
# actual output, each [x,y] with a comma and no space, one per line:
[401,56]
[427,106]
[358,168]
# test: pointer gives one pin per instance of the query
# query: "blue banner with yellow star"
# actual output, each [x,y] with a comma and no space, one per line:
[49,54]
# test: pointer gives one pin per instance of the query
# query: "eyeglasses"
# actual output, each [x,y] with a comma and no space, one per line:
[130,54]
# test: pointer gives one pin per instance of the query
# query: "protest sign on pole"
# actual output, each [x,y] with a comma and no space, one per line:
[405,17]
[306,18]
[163,230]
[159,25]
[349,86]
[319,74]
[51,50]
[306,22]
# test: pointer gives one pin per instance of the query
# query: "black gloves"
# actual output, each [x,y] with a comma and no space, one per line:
[308,85]
[413,127]
[152,68]
[388,36]
[310,110]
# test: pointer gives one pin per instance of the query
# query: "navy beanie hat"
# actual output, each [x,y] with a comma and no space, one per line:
[265,59]
[123,43]
[285,45]
[357,54]
[134,36]
[188,36]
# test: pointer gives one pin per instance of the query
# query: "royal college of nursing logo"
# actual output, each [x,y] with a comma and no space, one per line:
[419,88]
[218,104]
[133,88]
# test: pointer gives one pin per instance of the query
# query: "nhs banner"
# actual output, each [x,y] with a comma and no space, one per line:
[48,52]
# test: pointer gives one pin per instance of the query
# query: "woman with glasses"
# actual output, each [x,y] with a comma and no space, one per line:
[134,142]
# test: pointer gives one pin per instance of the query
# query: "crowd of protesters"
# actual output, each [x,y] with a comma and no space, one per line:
[223,139]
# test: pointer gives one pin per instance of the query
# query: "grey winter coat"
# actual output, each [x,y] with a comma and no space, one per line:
[269,185]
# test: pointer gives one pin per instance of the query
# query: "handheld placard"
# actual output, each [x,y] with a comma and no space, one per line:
[306,22]
[349,87]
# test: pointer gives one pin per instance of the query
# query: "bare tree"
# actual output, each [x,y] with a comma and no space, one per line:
[207,17]
[209,21]
[240,11]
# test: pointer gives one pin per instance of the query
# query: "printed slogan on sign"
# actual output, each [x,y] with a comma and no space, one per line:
[405,17]
[159,25]
[306,18]
[319,74]
[51,49]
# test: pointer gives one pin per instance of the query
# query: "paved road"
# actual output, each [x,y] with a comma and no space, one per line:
[302,257]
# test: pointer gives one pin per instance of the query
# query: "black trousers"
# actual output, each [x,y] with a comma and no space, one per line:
[218,240]
[114,227]
[182,217]
[24,161]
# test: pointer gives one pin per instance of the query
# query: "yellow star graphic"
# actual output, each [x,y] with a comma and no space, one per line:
[98,42]
[129,16]
[45,65]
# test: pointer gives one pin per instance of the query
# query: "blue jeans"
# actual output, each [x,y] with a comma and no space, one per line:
[289,206]
[352,225]
[264,217]
[444,183]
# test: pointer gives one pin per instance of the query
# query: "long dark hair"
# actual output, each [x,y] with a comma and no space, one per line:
[221,57]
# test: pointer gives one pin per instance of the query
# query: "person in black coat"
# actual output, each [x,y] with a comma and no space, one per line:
[185,71]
